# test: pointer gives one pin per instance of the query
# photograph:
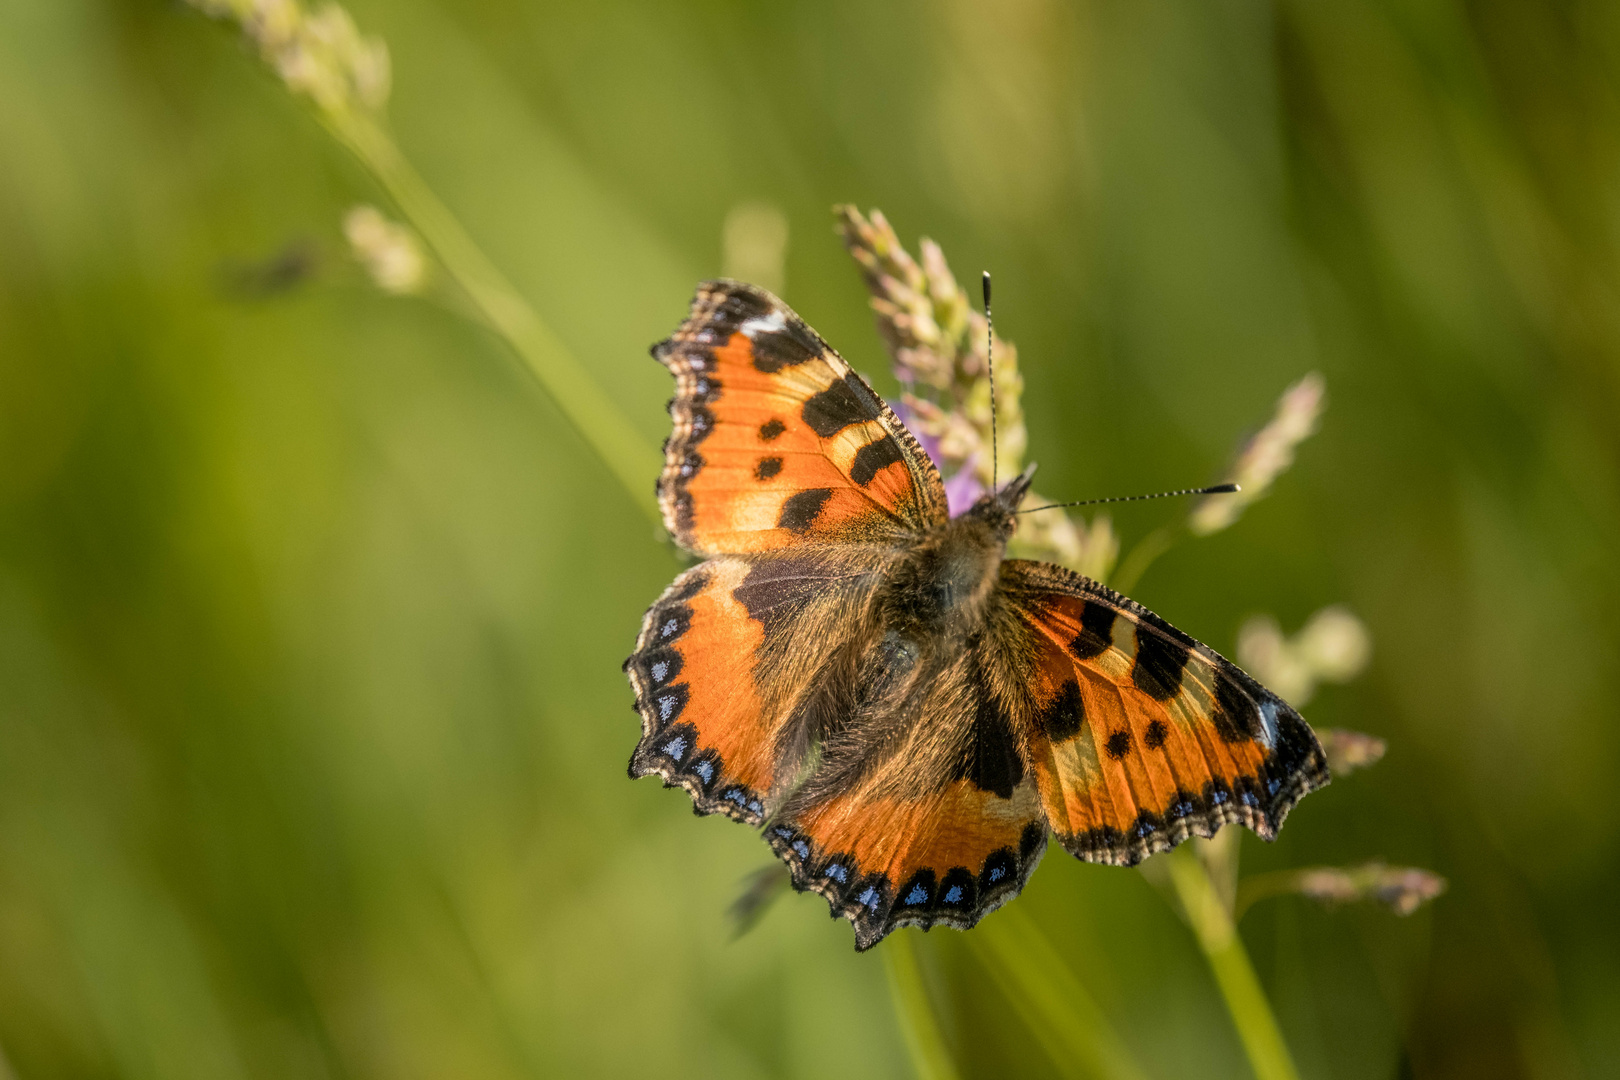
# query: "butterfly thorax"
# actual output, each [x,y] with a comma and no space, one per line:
[943,585]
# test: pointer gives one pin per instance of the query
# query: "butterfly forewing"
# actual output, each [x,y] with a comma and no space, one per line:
[777,441]
[1142,736]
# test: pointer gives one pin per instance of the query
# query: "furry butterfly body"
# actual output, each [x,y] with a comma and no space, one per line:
[905,712]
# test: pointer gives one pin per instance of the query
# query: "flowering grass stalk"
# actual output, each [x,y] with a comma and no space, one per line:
[940,346]
[1255,468]
[1402,889]
[323,57]
[1264,457]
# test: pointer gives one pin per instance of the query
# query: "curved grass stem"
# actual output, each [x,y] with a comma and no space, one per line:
[1140,557]
[924,1041]
[1062,1016]
[1239,985]
[576,392]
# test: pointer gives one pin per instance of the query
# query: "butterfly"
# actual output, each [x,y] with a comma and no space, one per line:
[904,711]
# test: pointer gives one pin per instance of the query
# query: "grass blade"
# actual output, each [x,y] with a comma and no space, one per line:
[1063,1017]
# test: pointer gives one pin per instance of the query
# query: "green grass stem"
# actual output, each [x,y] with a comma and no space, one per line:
[1218,938]
[593,413]
[924,1041]
[1063,1017]
[1139,558]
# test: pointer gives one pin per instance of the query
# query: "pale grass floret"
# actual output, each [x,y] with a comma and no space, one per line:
[1348,750]
[1333,646]
[321,55]
[1402,889]
[389,251]
[1264,457]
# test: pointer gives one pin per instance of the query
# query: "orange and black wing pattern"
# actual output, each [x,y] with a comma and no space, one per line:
[700,713]
[921,811]
[724,658]
[777,441]
[944,858]
[1141,736]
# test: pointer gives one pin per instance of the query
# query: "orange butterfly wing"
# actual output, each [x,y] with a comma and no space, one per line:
[949,857]
[745,662]
[702,734]
[922,812]
[1142,736]
[777,441]
[712,722]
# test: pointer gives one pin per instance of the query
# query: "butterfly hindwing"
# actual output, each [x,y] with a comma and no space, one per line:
[776,440]
[724,662]
[887,782]
[1140,735]
[921,811]
[946,858]
[700,711]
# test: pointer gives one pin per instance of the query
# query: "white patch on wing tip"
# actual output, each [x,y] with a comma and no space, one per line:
[1268,723]
[774,323]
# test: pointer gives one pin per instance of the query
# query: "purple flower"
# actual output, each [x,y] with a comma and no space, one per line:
[962,488]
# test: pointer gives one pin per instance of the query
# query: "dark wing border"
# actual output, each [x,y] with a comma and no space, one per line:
[668,748]
[876,906]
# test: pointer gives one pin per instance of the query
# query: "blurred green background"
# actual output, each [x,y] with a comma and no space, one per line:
[312,730]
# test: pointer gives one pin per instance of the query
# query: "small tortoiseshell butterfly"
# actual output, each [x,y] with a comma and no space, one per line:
[905,711]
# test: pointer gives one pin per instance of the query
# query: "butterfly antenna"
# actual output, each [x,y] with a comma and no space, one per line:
[990,364]
[1218,489]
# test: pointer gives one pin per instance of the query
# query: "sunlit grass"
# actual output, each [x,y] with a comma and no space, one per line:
[938,338]
[284,563]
